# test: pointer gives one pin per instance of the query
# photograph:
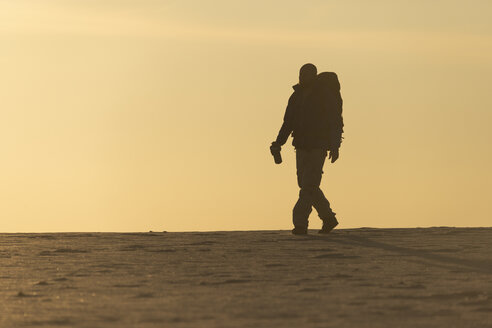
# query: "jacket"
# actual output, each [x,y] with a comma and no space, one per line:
[314,117]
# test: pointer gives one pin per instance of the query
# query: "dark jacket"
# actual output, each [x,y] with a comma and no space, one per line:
[314,117]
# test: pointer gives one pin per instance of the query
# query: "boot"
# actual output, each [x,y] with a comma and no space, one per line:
[299,231]
[329,225]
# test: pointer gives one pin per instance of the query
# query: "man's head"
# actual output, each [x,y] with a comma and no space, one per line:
[307,74]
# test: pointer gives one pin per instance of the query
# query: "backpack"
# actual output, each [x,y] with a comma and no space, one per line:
[329,82]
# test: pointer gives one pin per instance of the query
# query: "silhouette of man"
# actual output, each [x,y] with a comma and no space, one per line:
[314,117]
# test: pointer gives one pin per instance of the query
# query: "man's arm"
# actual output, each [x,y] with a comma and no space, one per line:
[287,125]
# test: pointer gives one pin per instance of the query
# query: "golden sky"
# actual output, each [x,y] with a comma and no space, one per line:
[137,115]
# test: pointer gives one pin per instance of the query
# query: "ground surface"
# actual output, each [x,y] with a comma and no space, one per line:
[436,277]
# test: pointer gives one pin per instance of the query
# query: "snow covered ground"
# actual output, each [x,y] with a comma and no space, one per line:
[435,277]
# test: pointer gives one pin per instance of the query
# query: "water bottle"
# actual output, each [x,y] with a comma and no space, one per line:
[275,150]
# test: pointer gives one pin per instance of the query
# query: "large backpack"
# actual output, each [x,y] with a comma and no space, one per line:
[329,80]
[331,85]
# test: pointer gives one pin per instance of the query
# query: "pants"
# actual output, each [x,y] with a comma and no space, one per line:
[309,170]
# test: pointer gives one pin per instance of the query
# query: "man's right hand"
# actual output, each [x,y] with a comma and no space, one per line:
[275,146]
[333,155]
[275,150]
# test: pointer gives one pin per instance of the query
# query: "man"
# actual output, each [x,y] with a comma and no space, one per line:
[314,117]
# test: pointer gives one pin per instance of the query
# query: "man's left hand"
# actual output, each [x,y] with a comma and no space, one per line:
[333,155]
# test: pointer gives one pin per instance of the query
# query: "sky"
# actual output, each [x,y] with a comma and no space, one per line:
[138,115]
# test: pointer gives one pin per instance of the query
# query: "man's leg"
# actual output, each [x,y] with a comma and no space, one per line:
[302,208]
[312,173]
[322,205]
